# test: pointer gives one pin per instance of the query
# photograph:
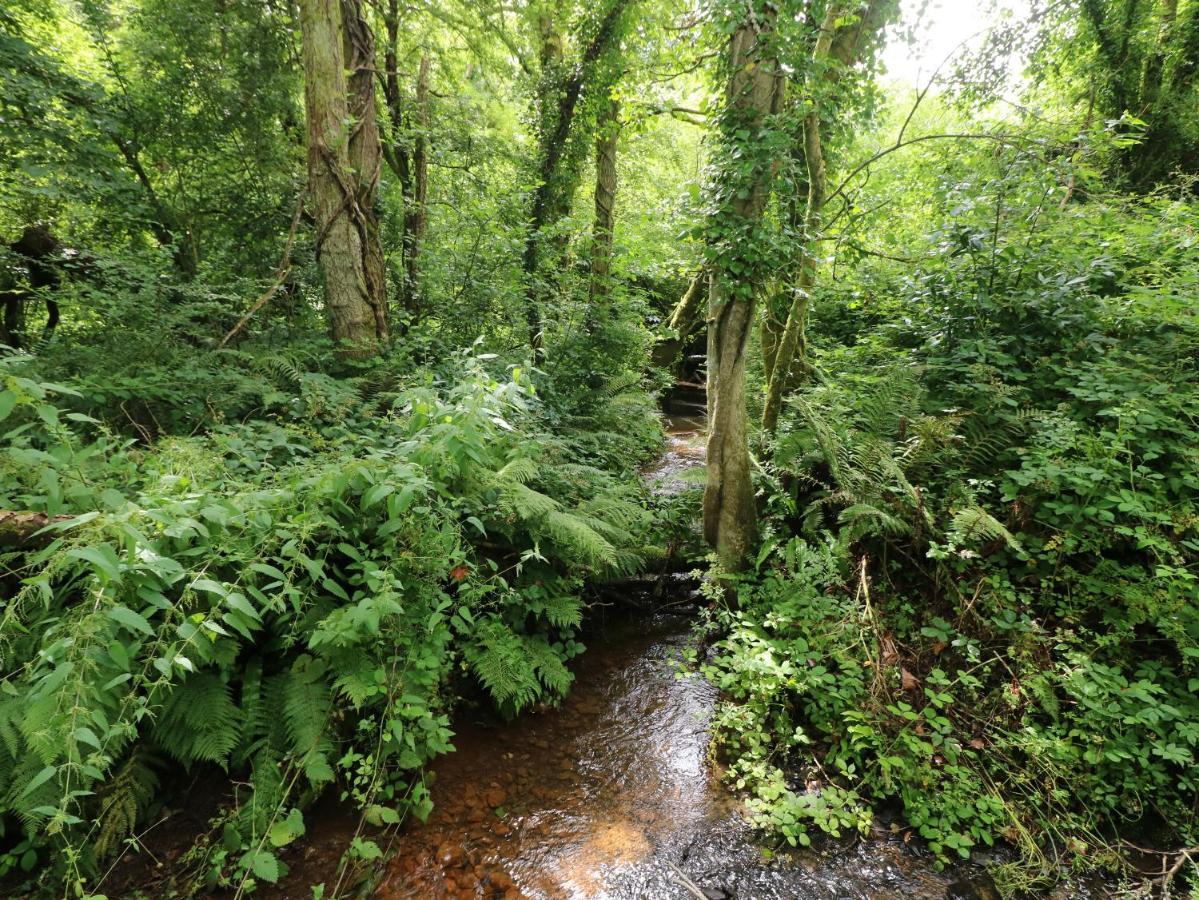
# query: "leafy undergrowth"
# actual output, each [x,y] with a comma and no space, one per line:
[297,601]
[978,597]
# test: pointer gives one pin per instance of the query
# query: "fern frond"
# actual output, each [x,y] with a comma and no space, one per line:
[123,798]
[571,532]
[503,665]
[199,721]
[548,665]
[974,525]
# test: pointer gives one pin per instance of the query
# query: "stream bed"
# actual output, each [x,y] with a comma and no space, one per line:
[614,794]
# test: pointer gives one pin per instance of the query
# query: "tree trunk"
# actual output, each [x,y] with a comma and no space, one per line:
[343,173]
[792,343]
[837,49]
[606,139]
[556,177]
[754,90]
[365,153]
[416,215]
[165,225]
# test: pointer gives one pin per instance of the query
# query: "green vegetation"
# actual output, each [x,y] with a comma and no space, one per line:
[330,337]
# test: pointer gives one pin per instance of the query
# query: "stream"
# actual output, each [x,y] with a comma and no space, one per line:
[614,794]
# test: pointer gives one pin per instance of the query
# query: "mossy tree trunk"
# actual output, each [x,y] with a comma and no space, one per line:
[842,40]
[744,171]
[606,140]
[343,169]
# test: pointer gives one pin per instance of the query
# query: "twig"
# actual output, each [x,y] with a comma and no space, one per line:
[281,273]
[691,886]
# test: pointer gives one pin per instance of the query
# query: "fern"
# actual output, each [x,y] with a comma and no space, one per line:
[547,663]
[974,525]
[502,664]
[199,721]
[122,800]
[306,709]
[573,534]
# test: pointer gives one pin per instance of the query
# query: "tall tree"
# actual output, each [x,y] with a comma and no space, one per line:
[406,152]
[845,35]
[606,141]
[556,172]
[743,171]
[343,154]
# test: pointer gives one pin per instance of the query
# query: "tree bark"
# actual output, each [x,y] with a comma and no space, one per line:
[606,139]
[20,530]
[684,320]
[365,153]
[343,173]
[754,91]
[416,215]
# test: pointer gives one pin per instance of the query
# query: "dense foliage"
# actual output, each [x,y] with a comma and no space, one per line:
[977,599]
[330,333]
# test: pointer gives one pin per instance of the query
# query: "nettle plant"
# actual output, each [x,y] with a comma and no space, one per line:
[305,622]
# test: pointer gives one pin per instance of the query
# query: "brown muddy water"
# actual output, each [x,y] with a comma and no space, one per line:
[615,794]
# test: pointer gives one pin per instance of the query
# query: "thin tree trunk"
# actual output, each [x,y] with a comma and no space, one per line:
[730,517]
[165,225]
[607,137]
[416,216]
[837,48]
[792,344]
[684,321]
[337,163]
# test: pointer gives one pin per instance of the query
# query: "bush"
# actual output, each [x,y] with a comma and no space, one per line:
[977,599]
[293,601]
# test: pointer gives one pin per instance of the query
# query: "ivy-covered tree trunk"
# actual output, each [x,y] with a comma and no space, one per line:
[556,168]
[366,156]
[839,45]
[744,169]
[343,158]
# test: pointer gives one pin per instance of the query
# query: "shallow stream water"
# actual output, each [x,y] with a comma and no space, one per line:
[614,794]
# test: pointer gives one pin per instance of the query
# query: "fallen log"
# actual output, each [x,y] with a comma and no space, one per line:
[23,530]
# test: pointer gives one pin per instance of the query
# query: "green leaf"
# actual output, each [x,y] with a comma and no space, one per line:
[212,587]
[38,780]
[375,493]
[123,615]
[103,559]
[265,866]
